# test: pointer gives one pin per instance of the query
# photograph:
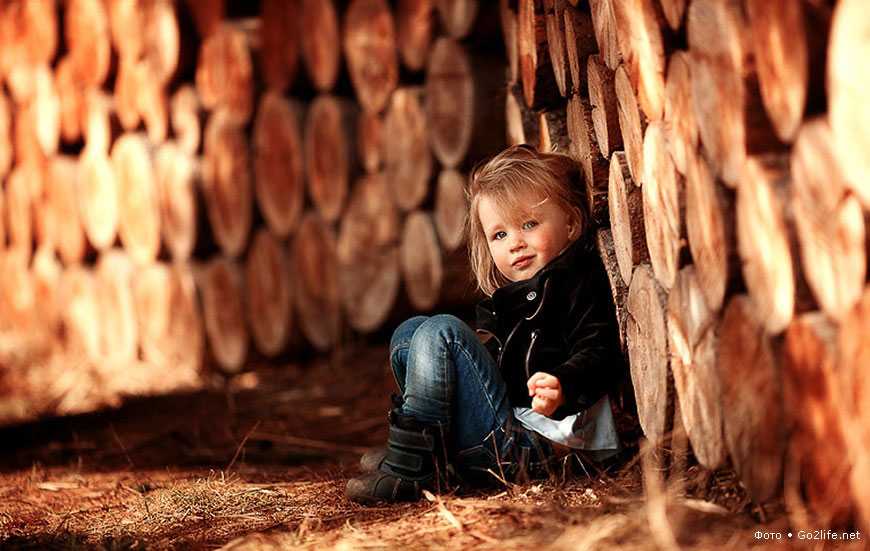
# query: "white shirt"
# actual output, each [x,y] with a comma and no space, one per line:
[593,430]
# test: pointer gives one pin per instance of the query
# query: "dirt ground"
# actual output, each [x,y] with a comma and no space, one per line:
[260,462]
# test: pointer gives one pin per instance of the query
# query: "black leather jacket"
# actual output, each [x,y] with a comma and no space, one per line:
[561,321]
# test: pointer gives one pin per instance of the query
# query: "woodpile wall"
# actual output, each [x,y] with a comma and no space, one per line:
[200,183]
[728,147]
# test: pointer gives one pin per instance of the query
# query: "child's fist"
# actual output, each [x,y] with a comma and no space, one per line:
[546,392]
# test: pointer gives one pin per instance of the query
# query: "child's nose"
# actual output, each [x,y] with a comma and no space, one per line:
[517,243]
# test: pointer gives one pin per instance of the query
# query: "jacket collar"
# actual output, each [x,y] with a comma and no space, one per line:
[516,295]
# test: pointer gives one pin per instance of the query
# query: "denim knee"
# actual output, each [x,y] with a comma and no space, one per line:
[442,328]
[403,333]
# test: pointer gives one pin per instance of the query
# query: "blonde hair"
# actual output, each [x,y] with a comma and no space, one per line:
[508,180]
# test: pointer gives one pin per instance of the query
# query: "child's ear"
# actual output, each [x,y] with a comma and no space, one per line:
[573,228]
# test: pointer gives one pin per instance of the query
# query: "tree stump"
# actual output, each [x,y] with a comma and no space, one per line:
[278,163]
[407,159]
[316,289]
[368,254]
[267,287]
[751,400]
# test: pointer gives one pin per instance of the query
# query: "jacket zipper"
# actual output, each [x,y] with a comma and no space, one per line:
[506,341]
[529,352]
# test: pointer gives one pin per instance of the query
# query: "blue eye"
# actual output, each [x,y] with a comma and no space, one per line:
[499,235]
[529,225]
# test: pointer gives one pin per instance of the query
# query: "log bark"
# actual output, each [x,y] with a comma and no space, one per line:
[751,400]
[763,241]
[206,14]
[268,292]
[625,204]
[680,123]
[674,12]
[536,70]
[161,40]
[692,342]
[370,141]
[605,110]
[17,297]
[639,31]
[316,289]
[852,388]
[96,125]
[169,316]
[327,158]
[19,208]
[370,50]
[407,159]
[604,27]
[847,81]
[663,206]
[37,114]
[63,192]
[2,221]
[553,131]
[618,287]
[414,21]
[223,313]
[138,204]
[554,11]
[507,12]
[31,33]
[126,94]
[278,163]
[185,118]
[420,261]
[710,231]
[788,43]
[829,222]
[449,102]
[80,313]
[278,56]
[586,151]
[152,102]
[632,124]
[368,254]
[6,150]
[811,398]
[320,42]
[226,179]
[521,125]
[450,209]
[46,273]
[225,73]
[98,198]
[176,178]
[119,333]
[88,40]
[725,95]
[580,45]
[457,16]
[126,29]
[71,96]
[647,341]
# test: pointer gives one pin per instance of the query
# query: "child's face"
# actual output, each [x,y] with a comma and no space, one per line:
[527,242]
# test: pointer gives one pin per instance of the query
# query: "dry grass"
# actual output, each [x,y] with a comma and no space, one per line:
[261,465]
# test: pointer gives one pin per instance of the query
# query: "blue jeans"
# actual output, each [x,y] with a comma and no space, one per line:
[447,376]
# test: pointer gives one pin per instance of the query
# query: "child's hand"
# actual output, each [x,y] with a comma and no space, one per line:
[546,391]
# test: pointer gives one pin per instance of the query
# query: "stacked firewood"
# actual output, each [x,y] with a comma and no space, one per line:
[727,149]
[181,180]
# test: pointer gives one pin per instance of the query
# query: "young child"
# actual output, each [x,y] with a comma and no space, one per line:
[510,404]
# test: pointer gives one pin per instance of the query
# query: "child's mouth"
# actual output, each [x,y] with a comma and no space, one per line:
[522,262]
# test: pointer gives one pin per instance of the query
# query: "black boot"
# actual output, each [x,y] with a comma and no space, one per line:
[373,459]
[415,459]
